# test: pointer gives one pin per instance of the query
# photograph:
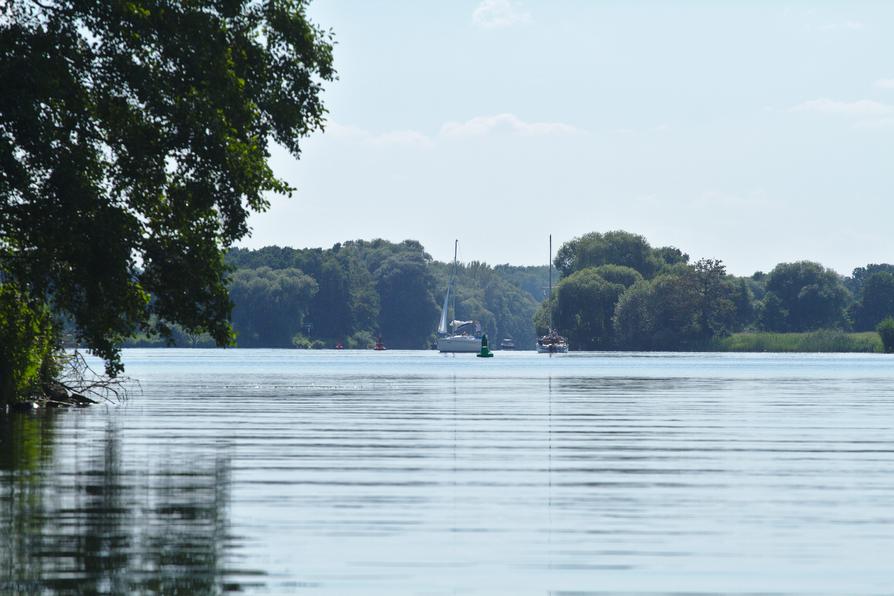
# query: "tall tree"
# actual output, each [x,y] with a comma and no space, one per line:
[877,303]
[860,275]
[811,296]
[583,309]
[136,144]
[270,305]
[716,310]
[611,248]
[408,308]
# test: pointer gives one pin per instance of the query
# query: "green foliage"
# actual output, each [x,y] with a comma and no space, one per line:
[362,340]
[877,301]
[532,280]
[742,298]
[771,313]
[178,338]
[825,340]
[483,294]
[619,274]
[717,311]
[859,276]
[583,309]
[810,297]
[301,342]
[377,287]
[659,314]
[681,308]
[270,305]
[28,340]
[135,146]
[671,255]
[408,310]
[885,331]
[613,248]
[347,300]
[685,306]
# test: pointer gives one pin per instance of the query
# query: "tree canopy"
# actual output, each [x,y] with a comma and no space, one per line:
[370,288]
[616,247]
[270,305]
[877,301]
[805,296]
[134,147]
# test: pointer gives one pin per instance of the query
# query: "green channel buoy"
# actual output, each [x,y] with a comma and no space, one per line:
[485,351]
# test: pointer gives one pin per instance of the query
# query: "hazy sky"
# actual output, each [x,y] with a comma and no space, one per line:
[753,132]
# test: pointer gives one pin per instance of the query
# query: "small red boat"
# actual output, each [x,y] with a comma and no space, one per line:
[379,345]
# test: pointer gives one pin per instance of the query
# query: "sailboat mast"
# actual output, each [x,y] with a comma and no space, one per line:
[442,324]
[453,276]
[549,304]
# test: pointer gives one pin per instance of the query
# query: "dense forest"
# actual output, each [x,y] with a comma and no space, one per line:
[612,291]
[617,292]
[356,291]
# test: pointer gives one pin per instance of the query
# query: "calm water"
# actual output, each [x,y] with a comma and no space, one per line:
[418,473]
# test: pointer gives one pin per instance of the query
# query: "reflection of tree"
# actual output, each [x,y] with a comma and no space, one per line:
[95,523]
[25,445]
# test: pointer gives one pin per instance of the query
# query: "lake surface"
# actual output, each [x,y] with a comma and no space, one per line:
[348,472]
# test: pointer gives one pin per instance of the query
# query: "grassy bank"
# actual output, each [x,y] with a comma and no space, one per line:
[816,341]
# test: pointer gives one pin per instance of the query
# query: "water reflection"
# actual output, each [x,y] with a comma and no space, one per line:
[396,473]
[76,516]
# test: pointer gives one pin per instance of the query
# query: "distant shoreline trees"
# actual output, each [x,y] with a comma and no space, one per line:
[615,292]
[379,288]
[677,305]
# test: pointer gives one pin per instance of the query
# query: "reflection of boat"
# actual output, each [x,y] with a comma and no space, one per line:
[507,344]
[552,342]
[460,336]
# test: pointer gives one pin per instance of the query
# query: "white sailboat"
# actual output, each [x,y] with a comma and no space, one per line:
[458,336]
[552,342]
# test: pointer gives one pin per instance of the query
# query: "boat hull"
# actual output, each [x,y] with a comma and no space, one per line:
[552,348]
[460,343]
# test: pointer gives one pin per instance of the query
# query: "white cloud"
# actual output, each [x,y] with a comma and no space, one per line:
[862,108]
[406,138]
[885,83]
[499,14]
[505,124]
[500,124]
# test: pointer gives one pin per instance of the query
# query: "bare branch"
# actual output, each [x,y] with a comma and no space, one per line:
[79,378]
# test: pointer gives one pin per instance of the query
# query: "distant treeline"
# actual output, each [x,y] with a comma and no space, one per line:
[617,292]
[356,291]
[613,290]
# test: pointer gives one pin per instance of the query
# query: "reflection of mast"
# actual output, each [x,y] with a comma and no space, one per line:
[549,506]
